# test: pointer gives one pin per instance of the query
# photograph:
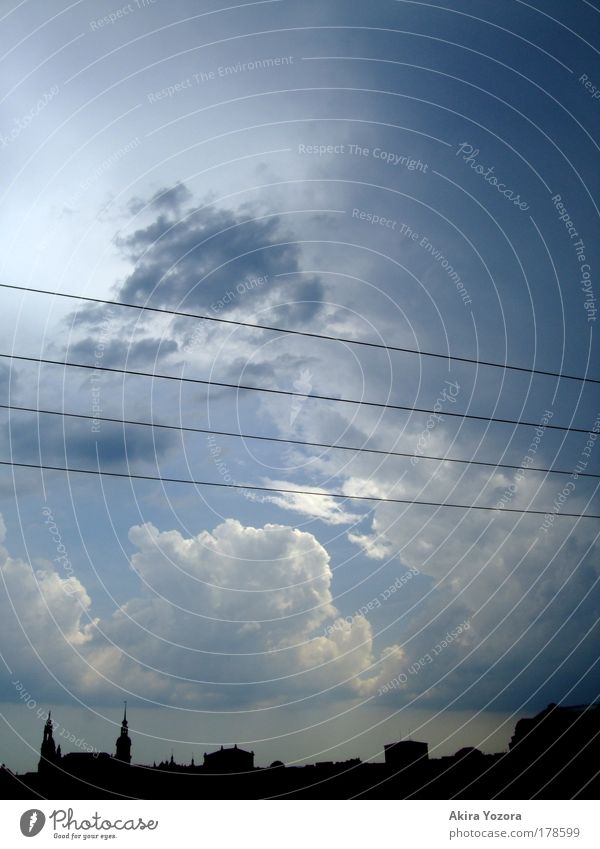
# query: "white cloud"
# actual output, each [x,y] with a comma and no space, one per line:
[245,608]
[317,506]
[274,574]
[375,546]
[52,611]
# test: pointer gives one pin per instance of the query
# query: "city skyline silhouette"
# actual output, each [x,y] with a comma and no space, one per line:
[554,754]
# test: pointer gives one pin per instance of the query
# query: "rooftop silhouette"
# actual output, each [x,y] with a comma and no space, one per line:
[554,754]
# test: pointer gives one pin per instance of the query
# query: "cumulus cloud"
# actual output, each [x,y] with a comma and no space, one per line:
[43,613]
[238,573]
[260,597]
[239,615]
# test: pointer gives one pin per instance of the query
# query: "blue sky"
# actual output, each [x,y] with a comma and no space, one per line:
[400,172]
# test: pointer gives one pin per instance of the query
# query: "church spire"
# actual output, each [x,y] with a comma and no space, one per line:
[123,743]
[48,754]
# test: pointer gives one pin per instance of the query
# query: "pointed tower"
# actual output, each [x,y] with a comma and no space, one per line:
[48,754]
[123,741]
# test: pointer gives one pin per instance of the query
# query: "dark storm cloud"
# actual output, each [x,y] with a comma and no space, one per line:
[214,259]
[121,353]
[5,380]
[217,262]
[263,374]
[165,200]
[299,307]
[114,446]
[95,316]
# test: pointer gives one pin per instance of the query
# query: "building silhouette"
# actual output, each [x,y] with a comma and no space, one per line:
[406,753]
[558,731]
[555,754]
[123,743]
[231,760]
[49,754]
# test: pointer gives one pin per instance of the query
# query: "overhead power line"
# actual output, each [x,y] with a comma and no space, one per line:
[281,490]
[311,335]
[303,443]
[288,393]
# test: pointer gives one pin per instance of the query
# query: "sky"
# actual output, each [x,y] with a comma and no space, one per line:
[416,175]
